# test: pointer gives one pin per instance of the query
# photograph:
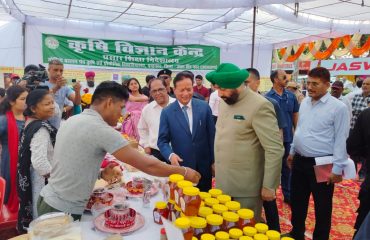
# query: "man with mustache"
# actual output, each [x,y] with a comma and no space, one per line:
[248,147]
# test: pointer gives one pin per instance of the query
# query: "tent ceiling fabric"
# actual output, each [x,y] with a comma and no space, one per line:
[223,21]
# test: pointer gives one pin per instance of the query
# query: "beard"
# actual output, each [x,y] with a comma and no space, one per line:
[232,99]
[90,83]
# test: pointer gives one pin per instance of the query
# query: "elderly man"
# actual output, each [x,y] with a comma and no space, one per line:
[148,126]
[88,86]
[248,147]
[336,91]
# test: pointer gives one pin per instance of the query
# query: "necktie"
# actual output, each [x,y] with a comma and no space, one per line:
[184,110]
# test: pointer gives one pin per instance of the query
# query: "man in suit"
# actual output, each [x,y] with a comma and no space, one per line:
[248,147]
[187,131]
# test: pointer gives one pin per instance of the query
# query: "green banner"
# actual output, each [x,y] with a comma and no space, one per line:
[124,54]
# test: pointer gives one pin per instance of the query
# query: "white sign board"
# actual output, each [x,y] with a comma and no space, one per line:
[351,66]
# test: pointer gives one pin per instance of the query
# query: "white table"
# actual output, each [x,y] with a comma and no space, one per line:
[150,231]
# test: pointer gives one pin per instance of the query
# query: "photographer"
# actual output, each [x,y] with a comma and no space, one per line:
[59,89]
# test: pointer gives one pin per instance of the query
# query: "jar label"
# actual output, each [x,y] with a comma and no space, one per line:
[167,190]
[157,217]
[177,197]
[173,215]
[183,205]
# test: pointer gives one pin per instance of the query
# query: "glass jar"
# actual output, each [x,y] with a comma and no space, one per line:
[172,182]
[224,198]
[214,223]
[249,231]
[230,220]
[246,218]
[204,212]
[245,238]
[261,228]
[219,209]
[210,202]
[199,226]
[190,202]
[204,195]
[221,235]
[179,189]
[233,206]
[207,236]
[159,211]
[184,225]
[235,233]
[215,192]
[273,235]
[175,213]
[260,236]
[287,238]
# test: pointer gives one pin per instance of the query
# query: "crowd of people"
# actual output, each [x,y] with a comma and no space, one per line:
[248,141]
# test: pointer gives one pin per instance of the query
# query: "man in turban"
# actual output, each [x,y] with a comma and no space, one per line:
[89,86]
[248,148]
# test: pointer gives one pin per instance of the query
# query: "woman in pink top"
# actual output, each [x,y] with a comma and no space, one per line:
[134,106]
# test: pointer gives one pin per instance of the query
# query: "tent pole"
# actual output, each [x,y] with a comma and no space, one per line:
[24,43]
[254,34]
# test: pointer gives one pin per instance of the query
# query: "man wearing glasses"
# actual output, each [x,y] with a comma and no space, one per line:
[149,121]
[165,74]
[289,105]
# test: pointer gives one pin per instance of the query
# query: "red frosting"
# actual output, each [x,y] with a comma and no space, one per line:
[120,218]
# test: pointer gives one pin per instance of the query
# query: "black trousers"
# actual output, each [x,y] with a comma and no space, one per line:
[364,208]
[303,183]
[272,215]
[157,154]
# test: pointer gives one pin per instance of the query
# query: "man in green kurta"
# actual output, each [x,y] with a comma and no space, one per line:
[248,146]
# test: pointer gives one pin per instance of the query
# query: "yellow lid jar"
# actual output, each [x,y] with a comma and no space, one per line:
[249,231]
[260,236]
[219,209]
[261,228]
[287,238]
[215,192]
[204,195]
[214,223]
[235,233]
[183,224]
[221,235]
[204,212]
[199,226]
[172,182]
[190,201]
[224,198]
[246,218]
[273,235]
[207,236]
[210,202]
[179,189]
[233,206]
[245,238]
[230,220]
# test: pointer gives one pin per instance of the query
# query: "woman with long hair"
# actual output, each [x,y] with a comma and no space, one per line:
[12,122]
[134,106]
[35,154]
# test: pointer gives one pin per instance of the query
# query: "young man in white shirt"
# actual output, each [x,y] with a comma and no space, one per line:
[150,116]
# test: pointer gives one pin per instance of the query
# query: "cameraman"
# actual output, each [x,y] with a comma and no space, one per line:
[58,87]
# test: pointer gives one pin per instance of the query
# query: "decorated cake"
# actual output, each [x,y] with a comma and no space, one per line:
[100,196]
[136,186]
[120,216]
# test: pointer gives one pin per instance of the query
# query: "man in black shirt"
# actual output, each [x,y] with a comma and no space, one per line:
[358,144]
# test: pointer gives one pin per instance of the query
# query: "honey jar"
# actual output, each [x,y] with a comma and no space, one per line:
[230,220]
[172,182]
[204,212]
[260,236]
[207,236]
[199,226]
[261,228]
[223,198]
[219,209]
[249,231]
[221,235]
[215,192]
[235,233]
[159,211]
[190,202]
[214,223]
[184,225]
[233,206]
[246,218]
[179,189]
[204,195]
[273,235]
[210,202]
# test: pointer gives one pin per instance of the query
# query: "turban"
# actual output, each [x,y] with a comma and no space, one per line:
[227,75]
[89,74]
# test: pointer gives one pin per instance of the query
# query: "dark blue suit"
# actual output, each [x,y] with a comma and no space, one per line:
[196,149]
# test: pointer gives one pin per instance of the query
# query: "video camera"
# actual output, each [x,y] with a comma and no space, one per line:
[34,75]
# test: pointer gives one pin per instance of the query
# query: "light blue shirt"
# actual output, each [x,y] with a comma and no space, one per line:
[322,130]
[61,95]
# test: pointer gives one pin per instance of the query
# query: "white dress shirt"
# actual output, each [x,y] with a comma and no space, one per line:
[214,101]
[348,105]
[148,125]
[322,130]
[190,114]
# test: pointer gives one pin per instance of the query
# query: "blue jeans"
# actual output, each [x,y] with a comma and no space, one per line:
[286,173]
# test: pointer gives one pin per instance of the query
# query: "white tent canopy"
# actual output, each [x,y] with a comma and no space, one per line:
[224,23]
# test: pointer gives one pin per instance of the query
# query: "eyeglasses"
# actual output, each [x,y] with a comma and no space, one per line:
[159,90]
